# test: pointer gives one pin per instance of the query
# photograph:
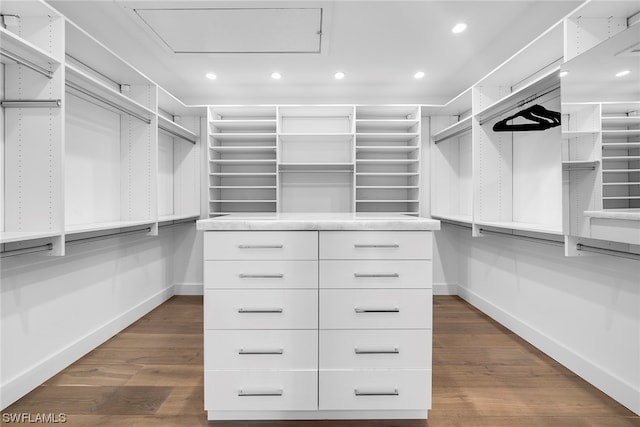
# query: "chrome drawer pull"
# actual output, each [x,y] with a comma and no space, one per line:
[260,310]
[276,351]
[261,276]
[377,310]
[280,246]
[243,393]
[393,392]
[359,275]
[393,245]
[380,351]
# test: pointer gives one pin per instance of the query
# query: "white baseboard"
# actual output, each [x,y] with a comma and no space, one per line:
[621,391]
[32,378]
[445,289]
[188,289]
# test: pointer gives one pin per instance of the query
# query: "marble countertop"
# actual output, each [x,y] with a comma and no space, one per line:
[317,221]
[626,214]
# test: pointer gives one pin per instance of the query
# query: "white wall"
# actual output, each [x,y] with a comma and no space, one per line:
[188,268]
[56,309]
[584,311]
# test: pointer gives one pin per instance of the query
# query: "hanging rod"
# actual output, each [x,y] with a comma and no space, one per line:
[520,103]
[35,67]
[24,251]
[176,134]
[106,236]
[177,222]
[115,83]
[107,102]
[610,252]
[453,135]
[526,238]
[31,103]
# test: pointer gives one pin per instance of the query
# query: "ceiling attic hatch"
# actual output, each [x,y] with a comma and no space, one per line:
[229,31]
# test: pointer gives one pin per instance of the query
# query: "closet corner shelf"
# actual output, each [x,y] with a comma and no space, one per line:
[86,228]
[545,81]
[79,80]
[20,236]
[175,129]
[454,130]
[521,226]
[464,219]
[13,44]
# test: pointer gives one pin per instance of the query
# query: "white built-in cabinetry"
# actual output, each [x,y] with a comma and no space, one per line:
[90,144]
[317,324]
[555,183]
[314,158]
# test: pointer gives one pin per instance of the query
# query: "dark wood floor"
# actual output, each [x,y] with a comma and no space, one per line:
[483,376]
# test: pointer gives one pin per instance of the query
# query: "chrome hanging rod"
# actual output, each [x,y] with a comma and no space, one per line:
[114,83]
[526,238]
[175,134]
[25,251]
[31,103]
[610,252]
[453,135]
[35,67]
[86,93]
[520,103]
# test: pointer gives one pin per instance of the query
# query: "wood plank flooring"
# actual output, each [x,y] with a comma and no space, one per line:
[151,375]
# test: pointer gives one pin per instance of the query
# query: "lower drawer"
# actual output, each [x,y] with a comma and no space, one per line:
[260,391]
[375,349]
[260,349]
[375,390]
[261,309]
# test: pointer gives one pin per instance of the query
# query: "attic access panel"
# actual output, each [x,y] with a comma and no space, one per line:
[255,30]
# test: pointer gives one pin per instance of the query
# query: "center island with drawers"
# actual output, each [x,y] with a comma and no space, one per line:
[317,316]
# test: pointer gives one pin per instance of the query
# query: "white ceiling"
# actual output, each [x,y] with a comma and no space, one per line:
[378,44]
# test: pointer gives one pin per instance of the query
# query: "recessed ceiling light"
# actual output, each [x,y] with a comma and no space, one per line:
[339,75]
[563,73]
[211,76]
[459,27]
[276,75]
[622,73]
[418,75]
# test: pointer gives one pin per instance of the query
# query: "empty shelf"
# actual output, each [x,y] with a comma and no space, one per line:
[368,125]
[386,148]
[175,129]
[244,187]
[245,136]
[387,187]
[244,149]
[571,165]
[386,137]
[244,161]
[625,144]
[454,130]
[20,236]
[244,201]
[242,174]
[244,125]
[18,50]
[86,228]
[621,183]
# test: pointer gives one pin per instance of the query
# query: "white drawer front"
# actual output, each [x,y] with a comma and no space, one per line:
[376,390]
[261,309]
[375,274]
[260,391]
[375,308]
[282,350]
[375,349]
[260,274]
[375,244]
[255,245]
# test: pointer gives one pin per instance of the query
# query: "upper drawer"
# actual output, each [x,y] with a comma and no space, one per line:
[375,245]
[375,274]
[229,245]
[260,274]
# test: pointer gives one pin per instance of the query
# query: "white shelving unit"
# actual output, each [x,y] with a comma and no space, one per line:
[387,159]
[91,145]
[31,156]
[314,158]
[178,159]
[242,159]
